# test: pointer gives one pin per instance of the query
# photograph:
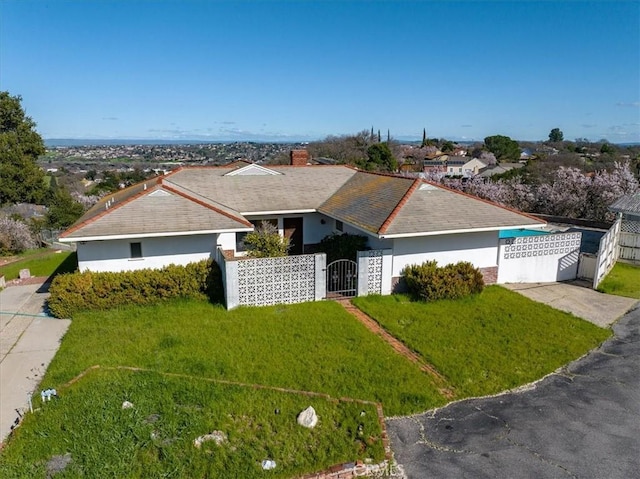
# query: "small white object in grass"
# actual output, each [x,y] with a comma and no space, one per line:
[127,405]
[268,464]
[216,436]
[308,418]
[46,394]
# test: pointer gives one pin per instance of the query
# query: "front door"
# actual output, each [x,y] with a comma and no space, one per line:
[293,230]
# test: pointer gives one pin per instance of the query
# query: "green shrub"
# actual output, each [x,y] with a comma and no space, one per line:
[430,282]
[75,292]
[266,242]
[342,246]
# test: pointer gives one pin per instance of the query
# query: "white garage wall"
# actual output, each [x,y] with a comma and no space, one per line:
[480,249]
[539,259]
[115,255]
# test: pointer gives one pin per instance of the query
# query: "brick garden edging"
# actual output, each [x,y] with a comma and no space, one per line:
[443,385]
[348,470]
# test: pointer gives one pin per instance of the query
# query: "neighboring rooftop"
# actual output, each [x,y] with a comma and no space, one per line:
[629,204]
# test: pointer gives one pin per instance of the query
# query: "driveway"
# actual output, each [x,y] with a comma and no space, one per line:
[581,422]
[29,339]
[579,298]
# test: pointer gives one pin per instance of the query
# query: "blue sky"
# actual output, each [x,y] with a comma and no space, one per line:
[268,70]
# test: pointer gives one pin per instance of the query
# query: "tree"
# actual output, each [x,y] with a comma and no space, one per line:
[607,148]
[556,135]
[380,158]
[503,147]
[21,180]
[424,138]
[266,242]
[15,236]
[447,146]
[63,210]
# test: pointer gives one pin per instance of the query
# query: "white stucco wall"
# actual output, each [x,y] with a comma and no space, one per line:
[539,259]
[480,249]
[114,255]
[314,230]
[227,241]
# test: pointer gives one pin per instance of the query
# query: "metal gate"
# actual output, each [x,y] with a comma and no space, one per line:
[342,278]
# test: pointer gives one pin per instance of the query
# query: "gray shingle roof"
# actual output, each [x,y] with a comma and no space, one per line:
[207,199]
[367,200]
[296,188]
[627,204]
[432,209]
[158,211]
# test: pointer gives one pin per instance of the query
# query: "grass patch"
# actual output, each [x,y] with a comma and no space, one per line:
[315,347]
[622,280]
[156,437]
[41,263]
[489,342]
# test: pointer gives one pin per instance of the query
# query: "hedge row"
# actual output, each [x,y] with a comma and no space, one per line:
[75,292]
[429,282]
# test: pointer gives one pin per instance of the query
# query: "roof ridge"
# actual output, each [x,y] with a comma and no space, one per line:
[383,173]
[398,207]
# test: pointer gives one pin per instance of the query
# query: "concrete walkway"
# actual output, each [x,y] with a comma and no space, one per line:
[29,340]
[575,297]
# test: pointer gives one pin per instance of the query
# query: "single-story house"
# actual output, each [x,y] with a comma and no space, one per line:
[193,213]
[452,165]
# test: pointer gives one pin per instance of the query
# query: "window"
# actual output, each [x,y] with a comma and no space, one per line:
[240,247]
[136,250]
[339,226]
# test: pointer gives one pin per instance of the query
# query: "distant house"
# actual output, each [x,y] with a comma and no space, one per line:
[499,169]
[452,165]
[194,212]
[434,166]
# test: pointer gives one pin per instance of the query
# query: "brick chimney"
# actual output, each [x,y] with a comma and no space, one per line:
[299,157]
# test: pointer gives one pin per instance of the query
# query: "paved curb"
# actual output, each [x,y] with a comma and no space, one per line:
[29,340]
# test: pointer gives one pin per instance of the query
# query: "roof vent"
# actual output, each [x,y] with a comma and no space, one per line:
[427,187]
[160,193]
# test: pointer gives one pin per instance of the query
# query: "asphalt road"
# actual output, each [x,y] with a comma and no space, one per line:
[582,422]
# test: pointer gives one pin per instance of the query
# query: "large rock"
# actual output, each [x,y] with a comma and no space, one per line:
[308,417]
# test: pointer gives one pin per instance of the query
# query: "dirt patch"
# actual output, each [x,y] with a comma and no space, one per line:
[57,464]
[26,281]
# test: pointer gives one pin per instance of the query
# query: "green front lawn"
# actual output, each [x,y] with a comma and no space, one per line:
[489,342]
[155,438]
[622,280]
[45,262]
[483,344]
[315,347]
